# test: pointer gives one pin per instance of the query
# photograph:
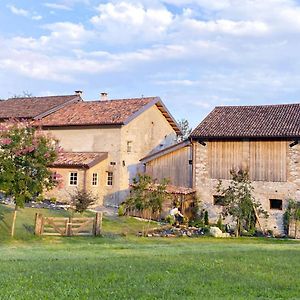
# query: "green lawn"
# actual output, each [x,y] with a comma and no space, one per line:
[117,267]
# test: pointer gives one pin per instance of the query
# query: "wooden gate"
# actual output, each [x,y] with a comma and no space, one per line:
[68,226]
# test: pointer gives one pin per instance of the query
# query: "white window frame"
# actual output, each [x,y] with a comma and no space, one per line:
[95,183]
[72,178]
[110,179]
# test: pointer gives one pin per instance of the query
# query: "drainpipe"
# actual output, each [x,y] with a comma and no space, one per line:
[84,180]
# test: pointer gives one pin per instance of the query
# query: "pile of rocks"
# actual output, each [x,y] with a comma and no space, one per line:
[184,231]
[38,204]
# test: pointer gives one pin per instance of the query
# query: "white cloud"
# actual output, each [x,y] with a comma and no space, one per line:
[24,13]
[123,22]
[18,11]
[57,6]
[65,4]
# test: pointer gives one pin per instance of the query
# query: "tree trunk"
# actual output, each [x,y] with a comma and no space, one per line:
[296,227]
[14,222]
[237,232]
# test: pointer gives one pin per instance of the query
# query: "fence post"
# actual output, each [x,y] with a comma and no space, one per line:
[38,224]
[69,227]
[98,224]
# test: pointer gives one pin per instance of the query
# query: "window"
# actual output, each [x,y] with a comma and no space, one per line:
[129,146]
[95,179]
[113,163]
[110,178]
[219,200]
[276,204]
[73,178]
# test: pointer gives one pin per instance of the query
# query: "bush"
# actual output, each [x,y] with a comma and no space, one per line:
[82,199]
[121,210]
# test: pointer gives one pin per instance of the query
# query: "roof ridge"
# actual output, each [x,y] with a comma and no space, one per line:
[258,105]
[34,97]
[121,99]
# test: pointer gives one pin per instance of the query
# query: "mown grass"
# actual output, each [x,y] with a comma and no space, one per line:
[116,267]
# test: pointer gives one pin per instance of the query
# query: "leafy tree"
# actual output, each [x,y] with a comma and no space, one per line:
[185,128]
[292,214]
[25,153]
[146,195]
[239,201]
[82,199]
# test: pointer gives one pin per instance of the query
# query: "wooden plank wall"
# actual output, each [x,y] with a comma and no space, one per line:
[265,160]
[173,166]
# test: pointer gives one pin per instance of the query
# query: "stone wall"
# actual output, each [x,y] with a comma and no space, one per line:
[263,191]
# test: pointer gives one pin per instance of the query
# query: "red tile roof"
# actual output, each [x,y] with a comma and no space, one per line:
[33,107]
[262,121]
[79,159]
[97,112]
[112,112]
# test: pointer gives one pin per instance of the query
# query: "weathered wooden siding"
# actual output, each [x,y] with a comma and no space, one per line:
[265,160]
[173,166]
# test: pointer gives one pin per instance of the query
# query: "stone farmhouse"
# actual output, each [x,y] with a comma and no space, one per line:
[262,139]
[103,140]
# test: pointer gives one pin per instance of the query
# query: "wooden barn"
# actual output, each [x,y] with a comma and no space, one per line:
[261,139]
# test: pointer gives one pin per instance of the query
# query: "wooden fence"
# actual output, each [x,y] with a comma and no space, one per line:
[68,226]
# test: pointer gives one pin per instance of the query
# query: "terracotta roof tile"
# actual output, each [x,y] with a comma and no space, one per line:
[262,121]
[32,107]
[79,159]
[97,112]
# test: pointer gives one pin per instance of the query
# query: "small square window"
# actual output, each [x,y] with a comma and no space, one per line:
[129,146]
[95,179]
[110,178]
[219,200]
[73,178]
[276,204]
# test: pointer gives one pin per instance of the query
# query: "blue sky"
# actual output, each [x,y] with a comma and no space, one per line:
[194,54]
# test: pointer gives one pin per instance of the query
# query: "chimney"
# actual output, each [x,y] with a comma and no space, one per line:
[78,93]
[103,96]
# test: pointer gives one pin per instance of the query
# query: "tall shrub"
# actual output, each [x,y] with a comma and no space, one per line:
[25,153]
[239,202]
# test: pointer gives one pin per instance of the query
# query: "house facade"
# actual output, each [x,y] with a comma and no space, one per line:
[125,129]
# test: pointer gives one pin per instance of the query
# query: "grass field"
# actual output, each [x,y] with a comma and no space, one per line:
[116,267]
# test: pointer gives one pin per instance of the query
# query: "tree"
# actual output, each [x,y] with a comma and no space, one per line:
[82,199]
[292,214]
[25,153]
[25,94]
[239,203]
[146,195]
[185,128]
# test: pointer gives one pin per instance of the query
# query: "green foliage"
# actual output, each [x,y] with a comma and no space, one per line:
[239,201]
[185,129]
[25,153]
[121,210]
[206,219]
[146,195]
[292,214]
[220,223]
[82,199]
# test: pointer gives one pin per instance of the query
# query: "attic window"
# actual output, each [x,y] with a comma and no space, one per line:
[276,204]
[219,200]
